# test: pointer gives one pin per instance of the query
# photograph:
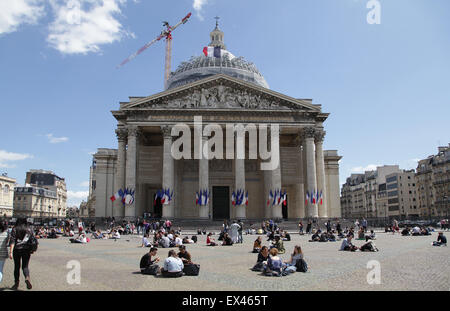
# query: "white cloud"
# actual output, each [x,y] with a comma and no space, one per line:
[84,27]
[56,140]
[6,156]
[75,197]
[361,169]
[198,5]
[13,13]
[85,184]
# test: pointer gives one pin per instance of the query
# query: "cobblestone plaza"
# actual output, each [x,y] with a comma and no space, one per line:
[407,263]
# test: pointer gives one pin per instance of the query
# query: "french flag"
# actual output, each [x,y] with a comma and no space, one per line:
[307,198]
[212,51]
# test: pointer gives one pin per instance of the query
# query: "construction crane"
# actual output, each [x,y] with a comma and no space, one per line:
[167,34]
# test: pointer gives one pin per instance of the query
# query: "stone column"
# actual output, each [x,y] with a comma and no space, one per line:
[203,181]
[276,176]
[131,167]
[168,177]
[239,175]
[119,182]
[311,179]
[321,182]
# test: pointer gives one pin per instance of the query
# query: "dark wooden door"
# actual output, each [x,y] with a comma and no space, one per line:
[221,203]
[284,209]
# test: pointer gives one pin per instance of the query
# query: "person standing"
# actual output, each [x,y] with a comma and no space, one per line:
[20,251]
[300,227]
[308,227]
[3,247]
[234,229]
[241,228]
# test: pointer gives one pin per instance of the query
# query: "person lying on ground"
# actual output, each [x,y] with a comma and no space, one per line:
[80,239]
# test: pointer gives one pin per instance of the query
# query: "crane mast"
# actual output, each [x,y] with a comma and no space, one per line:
[167,34]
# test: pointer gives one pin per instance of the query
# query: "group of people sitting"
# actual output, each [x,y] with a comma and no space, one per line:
[416,231]
[270,264]
[347,245]
[320,236]
[175,265]
[167,240]
[277,243]
[46,233]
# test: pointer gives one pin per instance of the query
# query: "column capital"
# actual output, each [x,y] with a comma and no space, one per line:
[308,132]
[166,131]
[319,136]
[133,131]
[121,134]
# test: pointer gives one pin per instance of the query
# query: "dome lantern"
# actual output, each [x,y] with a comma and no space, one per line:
[217,36]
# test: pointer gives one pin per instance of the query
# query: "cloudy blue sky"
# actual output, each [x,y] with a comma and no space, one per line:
[386,86]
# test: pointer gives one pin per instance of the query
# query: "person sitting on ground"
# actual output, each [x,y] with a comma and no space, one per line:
[147,262]
[415,231]
[261,261]
[164,241]
[331,237]
[204,231]
[115,235]
[227,240]
[257,245]
[278,244]
[80,239]
[361,234]
[347,244]
[274,264]
[98,235]
[187,240]
[199,232]
[209,240]
[178,241]
[285,235]
[371,235]
[295,256]
[173,266]
[425,231]
[405,231]
[369,247]
[184,255]
[441,240]
[315,237]
[324,237]
[145,241]
[52,234]
[178,231]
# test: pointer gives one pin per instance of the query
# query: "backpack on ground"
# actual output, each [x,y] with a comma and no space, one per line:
[191,269]
[301,265]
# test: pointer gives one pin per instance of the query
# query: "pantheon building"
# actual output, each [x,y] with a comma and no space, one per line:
[221,90]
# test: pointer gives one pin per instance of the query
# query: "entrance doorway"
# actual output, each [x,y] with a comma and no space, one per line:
[157,207]
[221,203]
[284,208]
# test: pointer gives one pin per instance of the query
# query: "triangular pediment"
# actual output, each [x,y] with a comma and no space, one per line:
[220,92]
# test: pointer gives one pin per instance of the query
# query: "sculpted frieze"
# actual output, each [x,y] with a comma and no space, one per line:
[220,97]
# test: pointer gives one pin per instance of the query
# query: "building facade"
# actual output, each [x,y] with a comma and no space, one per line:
[433,184]
[223,92]
[366,195]
[50,181]
[402,195]
[7,185]
[36,202]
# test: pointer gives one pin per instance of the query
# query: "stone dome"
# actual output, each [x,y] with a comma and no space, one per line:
[200,67]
